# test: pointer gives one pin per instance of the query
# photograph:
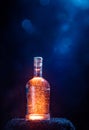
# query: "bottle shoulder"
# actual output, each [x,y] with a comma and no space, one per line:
[38,81]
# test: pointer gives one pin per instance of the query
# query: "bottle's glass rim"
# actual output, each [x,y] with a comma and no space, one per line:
[38,58]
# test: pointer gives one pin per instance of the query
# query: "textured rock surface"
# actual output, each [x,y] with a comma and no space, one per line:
[52,124]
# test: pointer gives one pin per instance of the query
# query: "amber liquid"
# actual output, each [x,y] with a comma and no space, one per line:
[38,98]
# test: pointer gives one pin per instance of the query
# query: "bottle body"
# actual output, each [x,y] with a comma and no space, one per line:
[38,98]
[38,94]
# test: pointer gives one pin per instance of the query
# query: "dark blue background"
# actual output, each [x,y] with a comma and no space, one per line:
[57,30]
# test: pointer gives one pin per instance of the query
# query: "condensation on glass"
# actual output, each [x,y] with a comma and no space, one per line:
[38,94]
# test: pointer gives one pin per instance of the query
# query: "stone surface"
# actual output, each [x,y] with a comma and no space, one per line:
[52,124]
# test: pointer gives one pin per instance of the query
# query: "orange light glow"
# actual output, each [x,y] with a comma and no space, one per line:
[38,99]
[36,117]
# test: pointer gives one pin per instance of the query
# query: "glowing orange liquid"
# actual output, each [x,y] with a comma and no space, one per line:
[38,97]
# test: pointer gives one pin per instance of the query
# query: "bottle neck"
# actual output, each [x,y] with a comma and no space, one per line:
[38,71]
[38,66]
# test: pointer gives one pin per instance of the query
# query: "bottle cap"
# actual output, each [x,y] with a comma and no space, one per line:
[38,61]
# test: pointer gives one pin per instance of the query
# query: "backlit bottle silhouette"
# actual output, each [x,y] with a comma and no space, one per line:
[38,94]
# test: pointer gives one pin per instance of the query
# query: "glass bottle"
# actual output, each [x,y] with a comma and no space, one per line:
[38,94]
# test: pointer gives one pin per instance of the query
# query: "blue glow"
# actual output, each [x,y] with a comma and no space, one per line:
[44,2]
[27,26]
[65,27]
[64,46]
[81,3]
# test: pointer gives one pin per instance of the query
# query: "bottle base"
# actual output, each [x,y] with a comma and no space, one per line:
[38,117]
